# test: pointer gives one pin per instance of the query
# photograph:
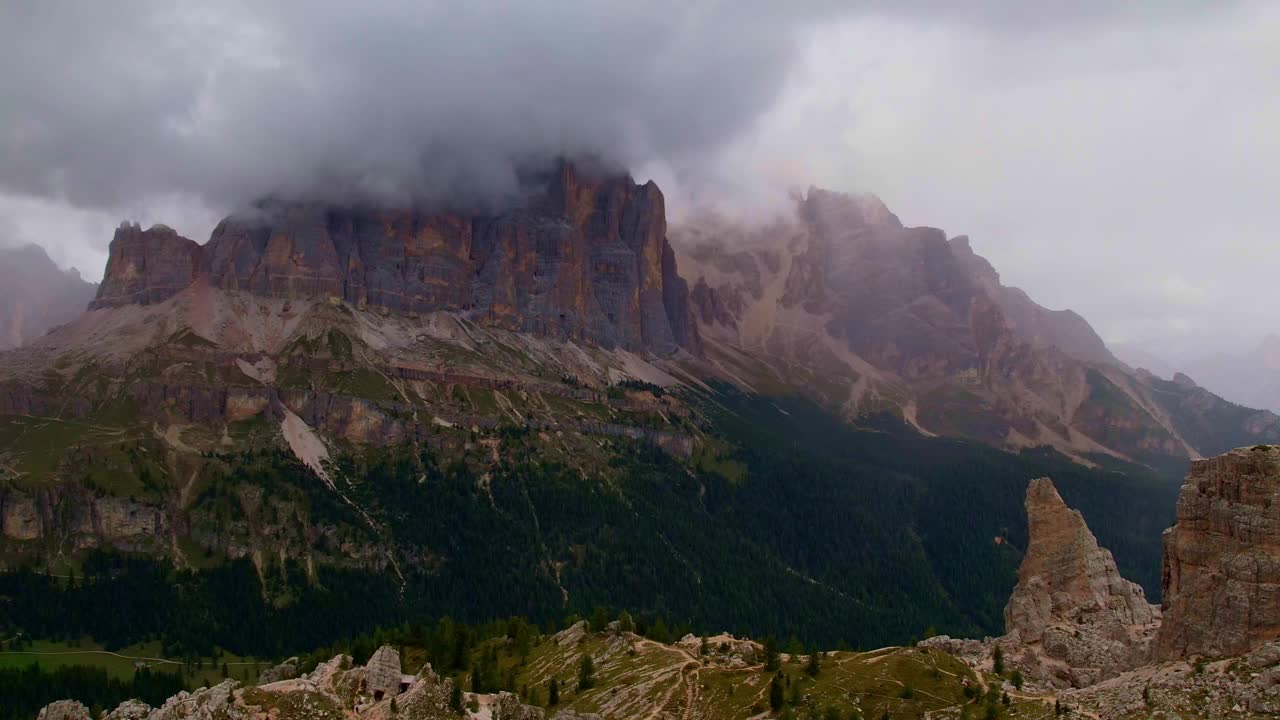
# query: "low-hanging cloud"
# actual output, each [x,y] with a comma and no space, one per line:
[108,102]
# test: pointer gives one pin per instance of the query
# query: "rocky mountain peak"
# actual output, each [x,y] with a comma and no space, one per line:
[1221,577]
[586,259]
[147,266]
[1065,568]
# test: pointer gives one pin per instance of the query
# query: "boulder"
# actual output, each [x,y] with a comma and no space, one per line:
[382,673]
[286,670]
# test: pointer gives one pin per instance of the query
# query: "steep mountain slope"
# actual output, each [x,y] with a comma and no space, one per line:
[845,302]
[35,295]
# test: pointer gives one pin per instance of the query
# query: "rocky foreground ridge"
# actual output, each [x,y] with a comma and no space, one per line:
[1081,642]
[1076,627]
[335,690]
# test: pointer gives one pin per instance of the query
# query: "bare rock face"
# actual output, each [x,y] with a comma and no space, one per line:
[129,710]
[382,673]
[147,266]
[1071,607]
[585,260]
[1221,579]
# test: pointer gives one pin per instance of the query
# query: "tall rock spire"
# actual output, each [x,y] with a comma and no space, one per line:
[1071,604]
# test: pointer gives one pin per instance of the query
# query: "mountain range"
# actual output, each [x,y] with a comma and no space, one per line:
[826,419]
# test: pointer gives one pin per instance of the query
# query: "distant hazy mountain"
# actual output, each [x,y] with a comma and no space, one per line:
[36,295]
[1137,356]
[869,315]
[1250,378]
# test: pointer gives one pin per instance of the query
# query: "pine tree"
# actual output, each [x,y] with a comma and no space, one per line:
[997,660]
[625,623]
[586,673]
[775,693]
[455,697]
[599,619]
[771,663]
[814,665]
[659,632]
[553,693]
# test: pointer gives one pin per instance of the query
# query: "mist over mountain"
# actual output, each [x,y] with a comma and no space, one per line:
[36,295]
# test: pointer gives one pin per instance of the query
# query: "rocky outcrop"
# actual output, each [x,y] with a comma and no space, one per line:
[585,260]
[1072,620]
[64,710]
[129,710]
[1243,687]
[287,670]
[335,689]
[1070,604]
[219,702]
[147,266]
[1221,576]
[382,673]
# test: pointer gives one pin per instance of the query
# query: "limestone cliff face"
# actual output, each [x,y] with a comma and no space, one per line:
[1221,585]
[77,518]
[585,260]
[1071,605]
[147,266]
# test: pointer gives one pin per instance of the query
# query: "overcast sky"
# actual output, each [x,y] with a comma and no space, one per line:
[1121,162]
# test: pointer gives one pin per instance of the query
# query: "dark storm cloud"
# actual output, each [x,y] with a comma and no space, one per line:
[107,102]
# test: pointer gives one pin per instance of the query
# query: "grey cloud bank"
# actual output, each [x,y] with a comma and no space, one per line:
[1118,159]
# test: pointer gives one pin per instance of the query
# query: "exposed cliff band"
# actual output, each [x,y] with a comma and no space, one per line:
[586,260]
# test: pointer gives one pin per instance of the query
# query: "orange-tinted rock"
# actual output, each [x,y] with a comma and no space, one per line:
[1221,585]
[147,266]
[587,260]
